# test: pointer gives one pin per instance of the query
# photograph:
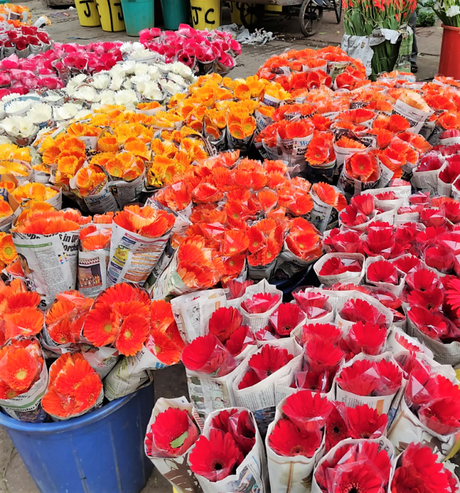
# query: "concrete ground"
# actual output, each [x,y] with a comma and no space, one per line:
[65,28]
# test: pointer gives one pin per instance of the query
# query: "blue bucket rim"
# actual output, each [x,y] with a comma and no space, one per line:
[65,426]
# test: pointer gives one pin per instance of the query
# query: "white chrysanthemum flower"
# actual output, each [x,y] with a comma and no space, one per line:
[127,84]
[75,81]
[125,98]
[170,86]
[140,78]
[18,107]
[83,115]
[107,97]
[66,111]
[117,81]
[87,93]
[141,53]
[101,81]
[151,90]
[177,79]
[181,69]
[19,126]
[40,113]
[4,140]
[128,67]
[154,73]
[453,11]
[141,69]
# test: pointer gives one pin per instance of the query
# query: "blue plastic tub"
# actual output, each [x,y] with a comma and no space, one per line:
[100,452]
[138,15]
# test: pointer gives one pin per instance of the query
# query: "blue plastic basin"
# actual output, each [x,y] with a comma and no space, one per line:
[100,452]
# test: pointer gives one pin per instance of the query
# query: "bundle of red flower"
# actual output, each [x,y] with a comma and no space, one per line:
[229,443]
[363,465]
[418,469]
[192,47]
[24,40]
[50,70]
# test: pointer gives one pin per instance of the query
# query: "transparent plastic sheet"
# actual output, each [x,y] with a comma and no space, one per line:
[251,471]
[314,305]
[175,469]
[286,318]
[350,458]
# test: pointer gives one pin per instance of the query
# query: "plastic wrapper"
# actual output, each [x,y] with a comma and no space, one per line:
[377,390]
[290,474]
[27,407]
[336,467]
[174,468]
[261,397]
[314,303]
[259,302]
[250,473]
[352,276]
[49,262]
[395,282]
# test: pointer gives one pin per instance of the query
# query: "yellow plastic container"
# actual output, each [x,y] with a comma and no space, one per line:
[111,14]
[87,13]
[205,14]
[236,8]
[273,8]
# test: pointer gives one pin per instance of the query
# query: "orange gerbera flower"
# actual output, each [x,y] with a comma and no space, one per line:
[234,242]
[32,206]
[90,180]
[164,348]
[74,386]
[348,143]
[361,166]
[92,239]
[46,223]
[21,364]
[5,209]
[107,143]
[7,249]
[17,300]
[145,221]
[34,191]
[106,218]
[161,315]
[25,322]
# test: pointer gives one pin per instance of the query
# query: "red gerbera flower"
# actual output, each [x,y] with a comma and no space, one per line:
[406,263]
[173,433]
[215,457]
[260,302]
[336,426]
[322,356]
[364,203]
[286,318]
[382,271]
[207,355]
[347,241]
[365,422]
[224,322]
[360,378]
[325,332]
[428,322]
[307,410]
[269,360]
[250,378]
[361,311]
[366,338]
[239,340]
[287,440]
[237,288]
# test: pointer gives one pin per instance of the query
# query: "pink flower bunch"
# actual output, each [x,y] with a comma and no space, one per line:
[189,46]
[51,69]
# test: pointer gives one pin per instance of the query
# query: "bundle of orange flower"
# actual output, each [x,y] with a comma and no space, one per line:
[93,238]
[21,316]
[34,191]
[176,197]
[21,364]
[89,180]
[306,66]
[304,240]
[120,317]
[266,240]
[164,340]
[8,252]
[145,221]
[74,387]
[49,222]
[66,316]
[125,166]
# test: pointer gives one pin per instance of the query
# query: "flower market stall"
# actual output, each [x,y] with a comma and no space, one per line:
[291,239]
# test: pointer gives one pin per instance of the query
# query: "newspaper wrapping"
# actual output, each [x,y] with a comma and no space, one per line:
[127,191]
[443,353]
[384,444]
[384,404]
[290,474]
[258,321]
[27,407]
[49,262]
[132,372]
[132,256]
[175,469]
[348,277]
[92,272]
[210,393]
[396,289]
[192,311]
[261,397]
[251,474]
[101,359]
